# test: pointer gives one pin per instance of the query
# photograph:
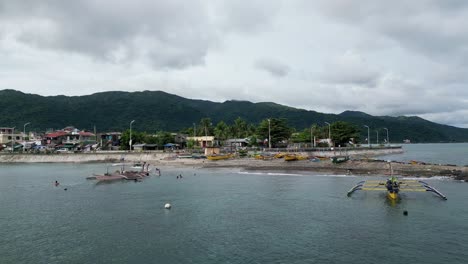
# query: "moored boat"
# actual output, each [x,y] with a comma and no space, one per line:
[219,157]
[290,157]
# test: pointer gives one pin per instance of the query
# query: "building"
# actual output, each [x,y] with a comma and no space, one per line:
[8,134]
[69,138]
[204,141]
[111,140]
[237,142]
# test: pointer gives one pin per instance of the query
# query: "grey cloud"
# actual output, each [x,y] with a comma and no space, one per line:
[131,29]
[168,34]
[251,17]
[430,27]
[273,67]
[350,68]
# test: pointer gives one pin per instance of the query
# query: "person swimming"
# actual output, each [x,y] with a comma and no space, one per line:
[56,183]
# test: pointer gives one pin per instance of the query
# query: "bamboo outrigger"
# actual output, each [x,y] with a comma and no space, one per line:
[393,187]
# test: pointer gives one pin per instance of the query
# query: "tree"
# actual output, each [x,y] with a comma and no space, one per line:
[221,131]
[137,137]
[301,137]
[278,128]
[239,129]
[205,127]
[164,138]
[342,132]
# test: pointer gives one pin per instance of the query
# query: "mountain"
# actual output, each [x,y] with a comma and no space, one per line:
[156,110]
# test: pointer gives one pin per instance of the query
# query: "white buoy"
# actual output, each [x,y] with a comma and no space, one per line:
[167,206]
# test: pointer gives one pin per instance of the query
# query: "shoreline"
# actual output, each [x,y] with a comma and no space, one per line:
[356,166]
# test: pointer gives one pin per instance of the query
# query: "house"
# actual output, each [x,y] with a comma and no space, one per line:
[8,134]
[236,142]
[203,141]
[110,140]
[142,147]
[69,138]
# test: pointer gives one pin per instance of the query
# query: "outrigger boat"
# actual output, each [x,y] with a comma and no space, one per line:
[122,174]
[394,187]
[219,157]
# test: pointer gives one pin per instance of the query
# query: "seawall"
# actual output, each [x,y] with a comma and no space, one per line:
[81,157]
[160,156]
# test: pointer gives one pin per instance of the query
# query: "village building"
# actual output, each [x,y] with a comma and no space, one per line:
[203,141]
[69,138]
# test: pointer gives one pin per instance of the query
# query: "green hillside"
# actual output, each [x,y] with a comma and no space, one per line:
[156,110]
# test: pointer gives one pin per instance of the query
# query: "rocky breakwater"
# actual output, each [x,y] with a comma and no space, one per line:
[351,167]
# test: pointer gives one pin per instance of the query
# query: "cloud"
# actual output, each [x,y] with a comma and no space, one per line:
[428,27]
[170,34]
[350,68]
[273,67]
[383,58]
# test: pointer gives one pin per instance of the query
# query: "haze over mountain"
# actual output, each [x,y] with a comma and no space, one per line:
[155,110]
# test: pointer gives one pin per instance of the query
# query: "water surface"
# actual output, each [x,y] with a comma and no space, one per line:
[221,216]
[442,153]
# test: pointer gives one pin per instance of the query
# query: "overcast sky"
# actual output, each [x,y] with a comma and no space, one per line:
[393,58]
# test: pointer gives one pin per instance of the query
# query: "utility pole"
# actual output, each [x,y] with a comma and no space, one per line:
[269,133]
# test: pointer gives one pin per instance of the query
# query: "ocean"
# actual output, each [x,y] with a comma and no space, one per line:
[222,216]
[441,153]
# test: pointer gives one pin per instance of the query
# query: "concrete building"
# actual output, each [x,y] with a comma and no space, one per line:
[7,134]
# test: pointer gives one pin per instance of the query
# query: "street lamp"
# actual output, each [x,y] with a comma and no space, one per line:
[24,135]
[130,142]
[388,142]
[377,136]
[329,132]
[269,133]
[368,135]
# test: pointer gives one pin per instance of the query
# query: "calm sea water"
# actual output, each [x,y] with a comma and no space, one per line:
[447,153]
[222,216]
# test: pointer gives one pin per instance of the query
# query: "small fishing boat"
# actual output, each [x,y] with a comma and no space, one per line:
[339,159]
[279,155]
[219,157]
[290,157]
[293,157]
[393,187]
[122,174]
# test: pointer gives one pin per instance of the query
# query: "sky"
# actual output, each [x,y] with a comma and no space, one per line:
[391,58]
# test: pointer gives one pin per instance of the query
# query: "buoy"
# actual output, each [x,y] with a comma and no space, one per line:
[167,206]
[405,212]
[65,189]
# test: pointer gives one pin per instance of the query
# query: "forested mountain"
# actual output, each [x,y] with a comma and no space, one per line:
[155,111]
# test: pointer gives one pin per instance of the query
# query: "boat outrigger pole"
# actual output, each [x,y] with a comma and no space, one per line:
[432,189]
[356,188]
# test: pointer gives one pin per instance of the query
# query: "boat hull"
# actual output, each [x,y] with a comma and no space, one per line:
[218,157]
[392,195]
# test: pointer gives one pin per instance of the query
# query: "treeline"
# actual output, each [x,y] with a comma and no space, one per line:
[275,129]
